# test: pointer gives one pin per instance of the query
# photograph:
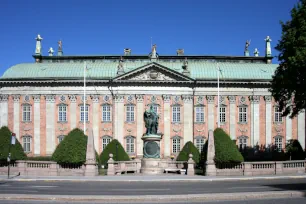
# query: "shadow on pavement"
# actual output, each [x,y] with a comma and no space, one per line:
[289,187]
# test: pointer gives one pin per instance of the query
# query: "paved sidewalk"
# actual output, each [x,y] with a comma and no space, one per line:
[146,178]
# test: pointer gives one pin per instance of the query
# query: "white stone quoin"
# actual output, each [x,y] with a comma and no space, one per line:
[119,124]
[167,125]
[140,124]
[268,120]
[187,118]
[211,108]
[301,128]
[255,120]
[95,120]
[16,99]
[37,124]
[50,126]
[232,100]
[4,110]
[288,128]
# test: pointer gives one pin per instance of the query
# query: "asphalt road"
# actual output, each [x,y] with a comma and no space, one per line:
[148,188]
[268,201]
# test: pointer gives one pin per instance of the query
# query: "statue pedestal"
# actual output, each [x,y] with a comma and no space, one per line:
[151,154]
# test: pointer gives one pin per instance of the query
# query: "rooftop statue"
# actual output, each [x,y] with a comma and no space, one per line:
[247,44]
[151,121]
[60,45]
[38,45]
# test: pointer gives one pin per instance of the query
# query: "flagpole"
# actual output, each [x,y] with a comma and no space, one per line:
[218,97]
[84,98]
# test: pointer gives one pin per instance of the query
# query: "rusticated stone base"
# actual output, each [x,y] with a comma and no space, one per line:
[151,166]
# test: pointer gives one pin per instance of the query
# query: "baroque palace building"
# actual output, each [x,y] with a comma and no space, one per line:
[42,101]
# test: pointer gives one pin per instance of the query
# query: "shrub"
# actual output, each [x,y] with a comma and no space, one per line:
[72,150]
[226,151]
[111,149]
[16,150]
[294,150]
[189,148]
[262,153]
[40,158]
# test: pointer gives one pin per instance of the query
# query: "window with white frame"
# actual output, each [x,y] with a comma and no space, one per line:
[243,142]
[130,113]
[277,115]
[176,114]
[105,141]
[26,112]
[130,144]
[199,114]
[222,115]
[243,114]
[278,141]
[60,138]
[62,113]
[26,141]
[200,141]
[176,144]
[84,114]
[106,113]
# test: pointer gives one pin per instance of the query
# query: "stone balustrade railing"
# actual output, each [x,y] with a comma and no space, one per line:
[41,168]
[262,168]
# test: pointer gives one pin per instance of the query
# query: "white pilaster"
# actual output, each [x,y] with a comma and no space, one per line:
[211,109]
[288,128]
[188,112]
[139,126]
[301,129]
[232,100]
[268,120]
[50,127]
[37,124]
[119,112]
[73,111]
[167,126]
[4,110]
[95,120]
[16,99]
[255,120]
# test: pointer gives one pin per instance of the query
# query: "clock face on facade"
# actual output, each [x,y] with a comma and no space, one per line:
[151,149]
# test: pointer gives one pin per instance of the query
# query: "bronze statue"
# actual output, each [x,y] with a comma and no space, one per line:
[151,121]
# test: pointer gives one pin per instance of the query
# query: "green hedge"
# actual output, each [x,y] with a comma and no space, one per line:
[189,148]
[40,158]
[17,152]
[111,148]
[72,150]
[262,153]
[225,149]
[294,150]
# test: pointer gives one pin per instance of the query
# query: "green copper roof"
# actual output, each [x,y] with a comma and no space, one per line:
[108,68]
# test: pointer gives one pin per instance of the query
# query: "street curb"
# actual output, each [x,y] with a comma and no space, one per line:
[160,198]
[146,179]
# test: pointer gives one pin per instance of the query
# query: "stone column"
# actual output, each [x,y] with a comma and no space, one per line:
[37,124]
[288,128]
[211,109]
[188,118]
[232,100]
[4,110]
[139,124]
[167,126]
[268,120]
[95,120]
[119,117]
[50,127]
[16,99]
[255,120]
[301,128]
[73,111]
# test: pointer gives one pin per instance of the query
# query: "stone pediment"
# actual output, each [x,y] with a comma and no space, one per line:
[153,72]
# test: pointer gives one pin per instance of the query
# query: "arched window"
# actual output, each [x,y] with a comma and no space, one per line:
[26,112]
[199,142]
[242,142]
[278,141]
[176,144]
[26,143]
[130,144]
[105,140]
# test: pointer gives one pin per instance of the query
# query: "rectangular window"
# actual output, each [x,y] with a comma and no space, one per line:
[62,113]
[26,113]
[242,114]
[61,138]
[176,145]
[277,115]
[26,143]
[200,114]
[200,144]
[176,114]
[130,145]
[130,113]
[106,113]
[222,114]
[84,113]
[242,142]
[105,141]
[279,143]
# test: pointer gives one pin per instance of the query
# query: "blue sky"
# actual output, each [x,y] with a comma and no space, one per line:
[97,27]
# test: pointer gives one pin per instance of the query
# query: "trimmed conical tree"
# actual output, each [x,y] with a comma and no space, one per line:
[226,150]
[111,149]
[294,150]
[72,150]
[189,148]
[16,150]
